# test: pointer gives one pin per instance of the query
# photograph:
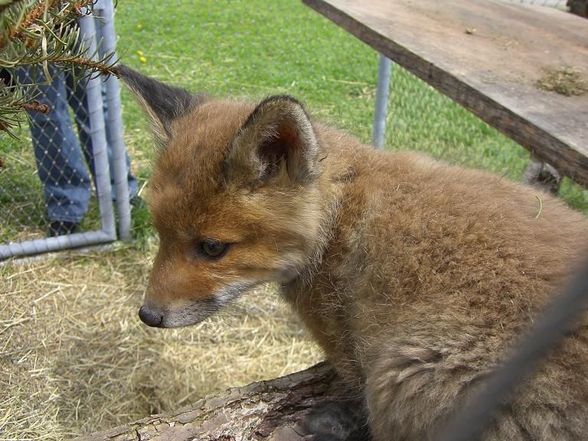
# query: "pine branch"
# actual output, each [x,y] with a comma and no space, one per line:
[4,4]
[34,34]
[104,66]
[30,18]
[12,104]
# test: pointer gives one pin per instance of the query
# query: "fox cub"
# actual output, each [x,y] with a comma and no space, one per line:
[413,275]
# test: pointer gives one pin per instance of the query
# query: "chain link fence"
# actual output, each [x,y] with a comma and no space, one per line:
[57,190]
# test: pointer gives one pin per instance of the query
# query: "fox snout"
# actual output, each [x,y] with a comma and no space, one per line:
[183,293]
[189,314]
[150,317]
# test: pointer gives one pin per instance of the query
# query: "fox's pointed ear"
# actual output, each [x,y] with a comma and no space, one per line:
[276,140]
[163,103]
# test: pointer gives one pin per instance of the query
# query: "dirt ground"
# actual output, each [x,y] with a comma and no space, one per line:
[74,357]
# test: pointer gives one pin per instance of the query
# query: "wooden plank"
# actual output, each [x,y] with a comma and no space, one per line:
[488,56]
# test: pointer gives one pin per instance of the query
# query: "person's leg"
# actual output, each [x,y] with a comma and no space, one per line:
[60,162]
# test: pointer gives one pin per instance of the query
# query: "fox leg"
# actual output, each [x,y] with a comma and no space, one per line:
[411,391]
[407,393]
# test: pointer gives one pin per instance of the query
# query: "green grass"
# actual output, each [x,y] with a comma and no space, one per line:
[256,48]
[20,191]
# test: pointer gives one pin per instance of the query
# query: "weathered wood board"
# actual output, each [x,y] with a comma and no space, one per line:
[489,56]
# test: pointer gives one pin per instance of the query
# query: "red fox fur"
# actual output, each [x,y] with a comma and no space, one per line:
[413,275]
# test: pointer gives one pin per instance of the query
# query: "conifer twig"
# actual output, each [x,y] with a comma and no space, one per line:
[33,35]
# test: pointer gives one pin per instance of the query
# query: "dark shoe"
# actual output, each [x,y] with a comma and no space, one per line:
[61,228]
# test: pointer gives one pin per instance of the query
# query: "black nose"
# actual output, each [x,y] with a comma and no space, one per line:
[150,317]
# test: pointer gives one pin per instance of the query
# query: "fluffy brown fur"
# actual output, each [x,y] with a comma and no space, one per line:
[413,275]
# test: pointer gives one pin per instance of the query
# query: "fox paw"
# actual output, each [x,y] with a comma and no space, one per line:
[334,421]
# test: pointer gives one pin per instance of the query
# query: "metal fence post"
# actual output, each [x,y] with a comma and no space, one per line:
[382,93]
[105,10]
[98,133]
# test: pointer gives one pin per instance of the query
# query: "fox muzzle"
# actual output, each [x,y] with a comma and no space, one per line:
[150,317]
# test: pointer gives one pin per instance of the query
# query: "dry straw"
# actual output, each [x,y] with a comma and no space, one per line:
[74,357]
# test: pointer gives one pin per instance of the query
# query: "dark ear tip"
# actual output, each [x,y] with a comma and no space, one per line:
[275,101]
[124,72]
[272,102]
[282,98]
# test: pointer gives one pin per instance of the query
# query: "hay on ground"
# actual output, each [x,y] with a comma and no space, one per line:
[74,358]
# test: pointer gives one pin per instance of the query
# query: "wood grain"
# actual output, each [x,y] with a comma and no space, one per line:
[488,56]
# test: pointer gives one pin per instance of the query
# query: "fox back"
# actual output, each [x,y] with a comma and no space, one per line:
[414,276]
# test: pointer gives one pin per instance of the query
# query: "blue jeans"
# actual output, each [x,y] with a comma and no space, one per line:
[61,163]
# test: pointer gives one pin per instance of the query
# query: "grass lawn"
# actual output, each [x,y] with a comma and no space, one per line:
[256,48]
[73,357]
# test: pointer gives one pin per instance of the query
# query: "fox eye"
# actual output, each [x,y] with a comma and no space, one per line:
[212,249]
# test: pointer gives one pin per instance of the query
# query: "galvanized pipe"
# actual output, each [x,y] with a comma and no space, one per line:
[45,245]
[105,10]
[98,133]
[382,94]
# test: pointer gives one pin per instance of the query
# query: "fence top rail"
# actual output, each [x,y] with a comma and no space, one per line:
[497,59]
